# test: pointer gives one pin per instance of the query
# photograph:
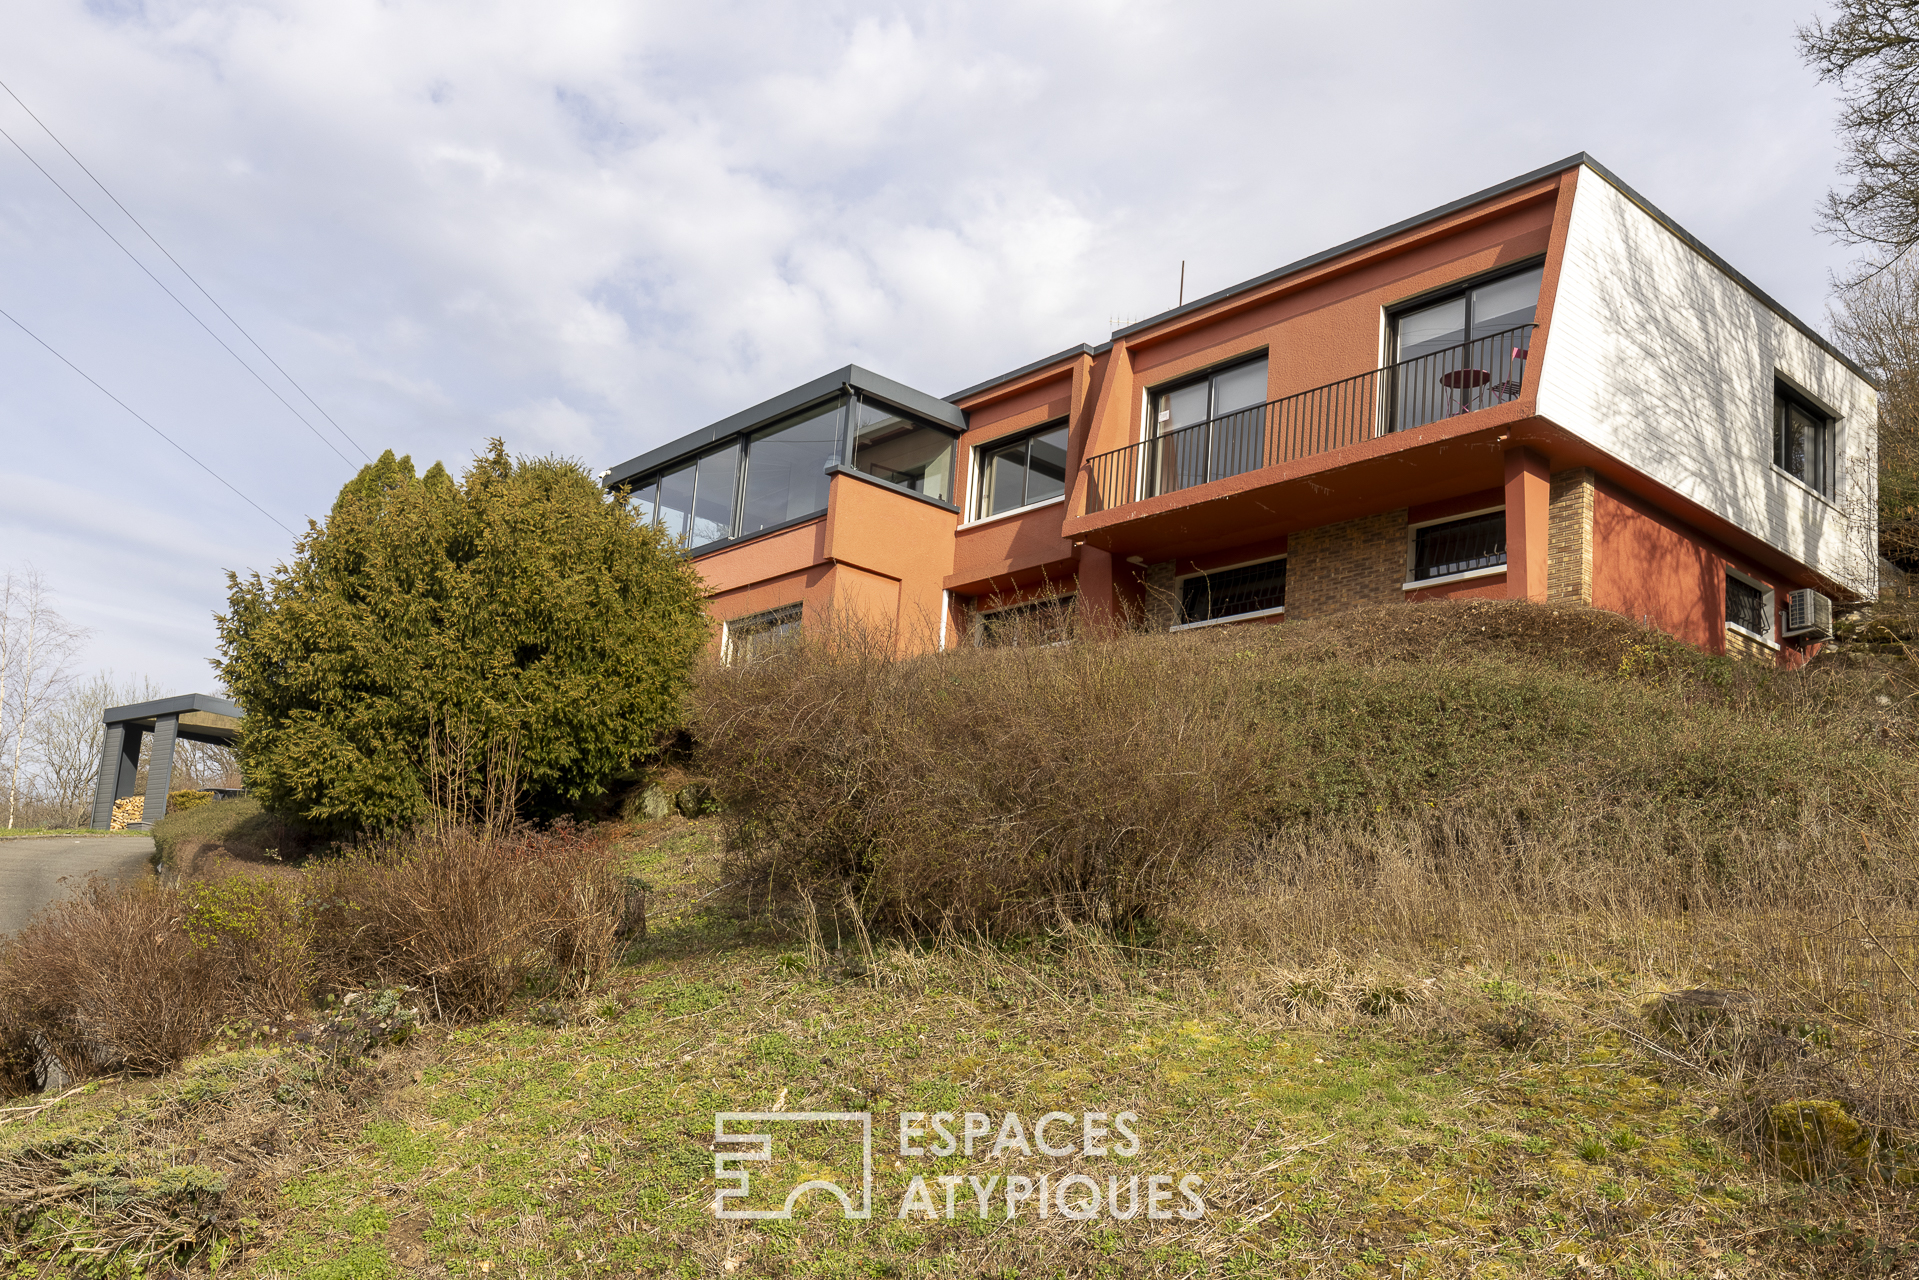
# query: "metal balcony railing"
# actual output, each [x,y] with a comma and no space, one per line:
[1399,397]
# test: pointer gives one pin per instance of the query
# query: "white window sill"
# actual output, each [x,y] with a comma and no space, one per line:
[1026,510]
[1735,629]
[1231,617]
[1491,571]
[1797,483]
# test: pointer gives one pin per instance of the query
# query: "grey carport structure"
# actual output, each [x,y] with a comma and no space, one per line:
[197,717]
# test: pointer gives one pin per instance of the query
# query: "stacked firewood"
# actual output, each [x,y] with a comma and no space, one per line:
[127,811]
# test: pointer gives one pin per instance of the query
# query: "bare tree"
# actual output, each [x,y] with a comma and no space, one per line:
[1876,321]
[1870,50]
[200,765]
[37,646]
[67,739]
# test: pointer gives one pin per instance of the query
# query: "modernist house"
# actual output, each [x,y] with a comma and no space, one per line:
[1546,390]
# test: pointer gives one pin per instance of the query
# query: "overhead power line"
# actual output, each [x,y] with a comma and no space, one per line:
[171,294]
[189,275]
[148,425]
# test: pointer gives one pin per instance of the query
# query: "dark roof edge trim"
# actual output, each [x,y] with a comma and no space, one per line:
[1078,349]
[1692,242]
[801,397]
[172,706]
[1384,233]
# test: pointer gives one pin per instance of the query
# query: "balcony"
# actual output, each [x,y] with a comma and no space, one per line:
[1438,385]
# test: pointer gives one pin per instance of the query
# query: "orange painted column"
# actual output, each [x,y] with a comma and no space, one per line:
[1096,586]
[1528,490]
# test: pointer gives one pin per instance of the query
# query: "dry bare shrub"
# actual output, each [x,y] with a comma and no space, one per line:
[997,789]
[260,930]
[19,1056]
[111,981]
[468,920]
[1406,768]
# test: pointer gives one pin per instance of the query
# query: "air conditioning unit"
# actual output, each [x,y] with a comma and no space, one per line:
[1808,614]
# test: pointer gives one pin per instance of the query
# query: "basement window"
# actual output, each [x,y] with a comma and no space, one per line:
[1043,622]
[1459,546]
[1748,607]
[758,634]
[1227,593]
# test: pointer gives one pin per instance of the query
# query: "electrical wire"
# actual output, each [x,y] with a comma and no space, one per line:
[183,271]
[148,425]
[188,274]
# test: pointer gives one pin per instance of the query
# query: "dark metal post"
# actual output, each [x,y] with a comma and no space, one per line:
[104,785]
[166,730]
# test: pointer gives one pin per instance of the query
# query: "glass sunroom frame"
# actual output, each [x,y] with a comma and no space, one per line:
[737,464]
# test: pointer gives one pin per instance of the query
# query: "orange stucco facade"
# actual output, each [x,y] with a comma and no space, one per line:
[1350,514]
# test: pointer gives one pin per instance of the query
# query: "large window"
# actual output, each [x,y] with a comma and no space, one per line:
[1252,588]
[1018,474]
[771,477]
[715,492]
[786,469]
[1747,607]
[759,634]
[1802,441]
[904,451]
[778,474]
[1459,546]
[1462,352]
[1210,427]
[676,500]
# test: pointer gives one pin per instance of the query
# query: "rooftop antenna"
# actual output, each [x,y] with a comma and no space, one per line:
[1182,282]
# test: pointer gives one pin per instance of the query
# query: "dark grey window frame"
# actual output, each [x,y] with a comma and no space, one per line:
[1825,453]
[984,453]
[844,464]
[742,441]
[1211,371]
[1446,293]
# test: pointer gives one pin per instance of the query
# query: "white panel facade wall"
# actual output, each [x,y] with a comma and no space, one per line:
[1663,360]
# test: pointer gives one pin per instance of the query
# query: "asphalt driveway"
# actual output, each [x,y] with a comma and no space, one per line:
[31,870]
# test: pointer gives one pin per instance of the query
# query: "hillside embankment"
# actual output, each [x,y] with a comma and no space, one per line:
[1468,940]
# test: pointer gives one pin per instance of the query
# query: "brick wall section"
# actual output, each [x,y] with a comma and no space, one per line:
[1346,565]
[1569,537]
[1741,645]
[1162,596]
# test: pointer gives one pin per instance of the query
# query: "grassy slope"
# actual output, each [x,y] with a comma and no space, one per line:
[1405,1144]
[1404,1141]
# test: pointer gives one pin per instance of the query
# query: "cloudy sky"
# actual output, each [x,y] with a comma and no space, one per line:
[589,227]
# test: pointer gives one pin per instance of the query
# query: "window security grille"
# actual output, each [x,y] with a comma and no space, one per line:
[1247,589]
[1459,546]
[1746,607]
[1040,623]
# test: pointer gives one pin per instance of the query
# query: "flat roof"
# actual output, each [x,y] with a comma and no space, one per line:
[173,706]
[807,393]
